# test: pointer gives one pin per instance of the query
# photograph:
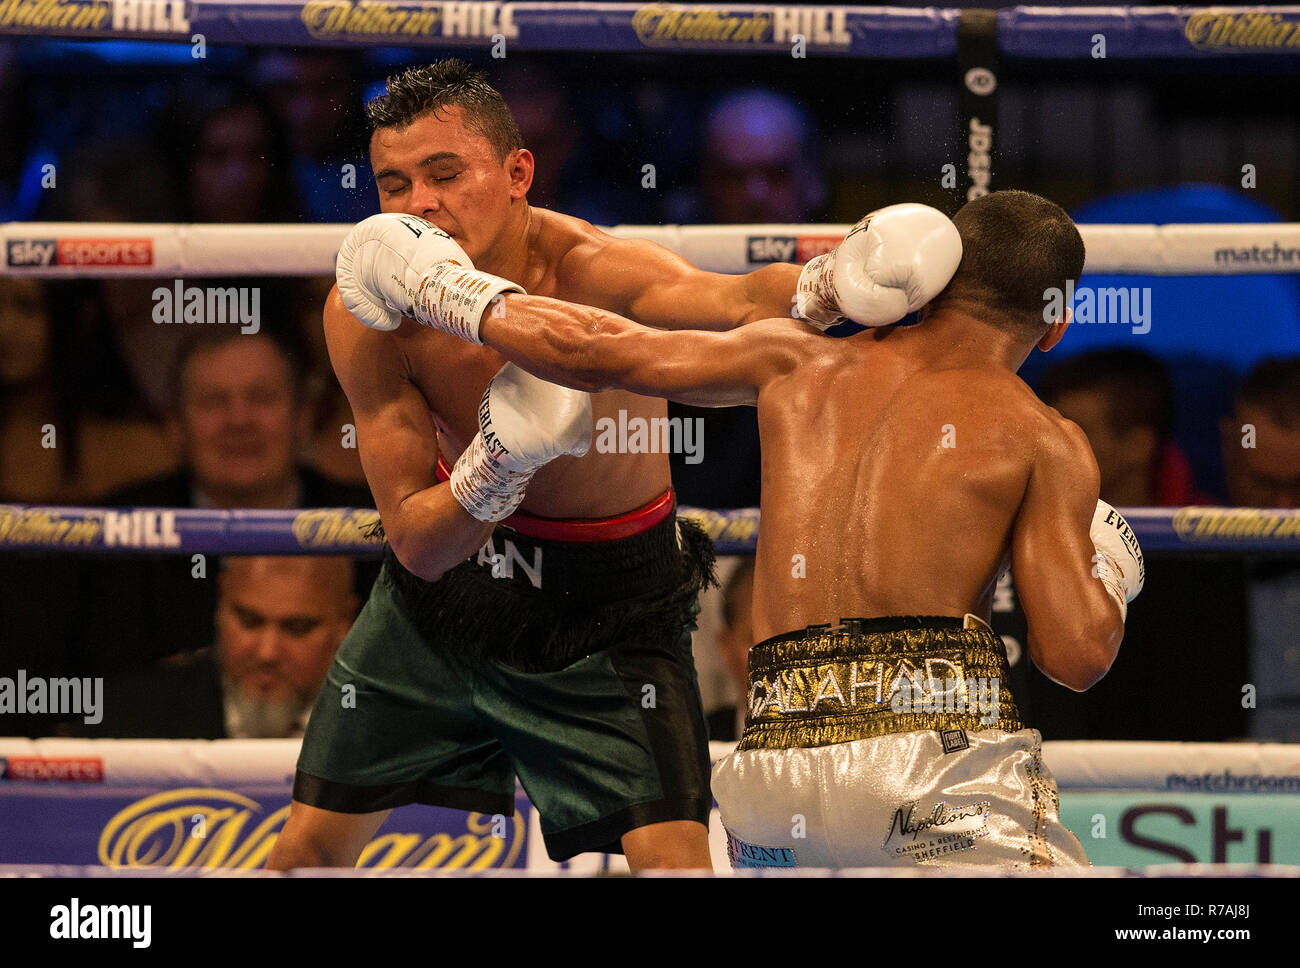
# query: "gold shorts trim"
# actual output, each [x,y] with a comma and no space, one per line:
[873,677]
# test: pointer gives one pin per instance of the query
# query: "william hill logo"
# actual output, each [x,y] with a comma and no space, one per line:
[335,527]
[1217,524]
[469,20]
[1219,29]
[207,827]
[677,24]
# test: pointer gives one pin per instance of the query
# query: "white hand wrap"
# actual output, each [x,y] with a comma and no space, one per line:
[453,299]
[524,423]
[483,487]
[815,295]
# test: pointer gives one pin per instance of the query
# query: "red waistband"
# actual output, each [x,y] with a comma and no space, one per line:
[584,529]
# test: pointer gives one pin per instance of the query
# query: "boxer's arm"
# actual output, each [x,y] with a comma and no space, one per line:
[646,282]
[591,349]
[1075,627]
[398,446]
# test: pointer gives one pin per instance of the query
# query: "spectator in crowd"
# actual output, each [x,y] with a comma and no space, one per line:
[32,403]
[239,422]
[734,640]
[760,161]
[759,165]
[118,359]
[1124,401]
[278,624]
[333,422]
[316,96]
[230,158]
[1261,440]
[54,448]
[572,172]
[1261,455]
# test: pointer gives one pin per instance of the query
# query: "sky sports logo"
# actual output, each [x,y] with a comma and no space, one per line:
[789,248]
[52,769]
[49,253]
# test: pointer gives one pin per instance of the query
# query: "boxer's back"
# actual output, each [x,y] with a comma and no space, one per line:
[892,474]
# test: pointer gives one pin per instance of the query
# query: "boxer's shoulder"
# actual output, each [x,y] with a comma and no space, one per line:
[563,240]
[564,253]
[349,342]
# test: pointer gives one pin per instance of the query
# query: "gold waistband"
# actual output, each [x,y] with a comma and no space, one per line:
[875,677]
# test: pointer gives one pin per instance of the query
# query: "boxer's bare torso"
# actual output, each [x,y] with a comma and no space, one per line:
[906,502]
[903,468]
[451,375]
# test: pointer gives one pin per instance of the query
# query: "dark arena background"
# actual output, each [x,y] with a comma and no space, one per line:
[172,170]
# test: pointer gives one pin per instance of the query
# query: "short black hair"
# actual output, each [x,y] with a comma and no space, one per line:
[1273,385]
[1016,246]
[438,86]
[1137,387]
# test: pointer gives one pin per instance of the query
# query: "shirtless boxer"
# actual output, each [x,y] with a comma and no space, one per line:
[489,650]
[903,470]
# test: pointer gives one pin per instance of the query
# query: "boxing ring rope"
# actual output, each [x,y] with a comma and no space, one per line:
[1055,33]
[112,249]
[353,531]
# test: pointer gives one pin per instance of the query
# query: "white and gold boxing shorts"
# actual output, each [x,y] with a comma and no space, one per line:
[888,742]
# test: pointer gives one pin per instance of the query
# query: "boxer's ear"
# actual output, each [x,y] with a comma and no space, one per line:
[519,166]
[1055,331]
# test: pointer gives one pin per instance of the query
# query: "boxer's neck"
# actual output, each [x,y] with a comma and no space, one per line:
[512,252]
[949,337]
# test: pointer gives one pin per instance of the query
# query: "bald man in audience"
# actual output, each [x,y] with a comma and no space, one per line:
[278,624]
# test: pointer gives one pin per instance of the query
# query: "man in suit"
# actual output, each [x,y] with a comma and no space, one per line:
[239,420]
[278,624]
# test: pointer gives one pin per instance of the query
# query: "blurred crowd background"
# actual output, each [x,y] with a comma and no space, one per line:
[168,416]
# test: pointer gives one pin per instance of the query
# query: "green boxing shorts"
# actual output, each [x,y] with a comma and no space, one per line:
[560,654]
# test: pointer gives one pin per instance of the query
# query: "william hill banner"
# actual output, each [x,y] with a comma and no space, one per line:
[172,804]
[177,804]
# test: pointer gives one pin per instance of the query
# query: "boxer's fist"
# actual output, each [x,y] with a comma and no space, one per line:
[524,423]
[1118,561]
[890,264]
[382,263]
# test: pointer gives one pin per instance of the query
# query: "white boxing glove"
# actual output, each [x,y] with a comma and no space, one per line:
[524,423]
[890,264]
[1118,561]
[394,265]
